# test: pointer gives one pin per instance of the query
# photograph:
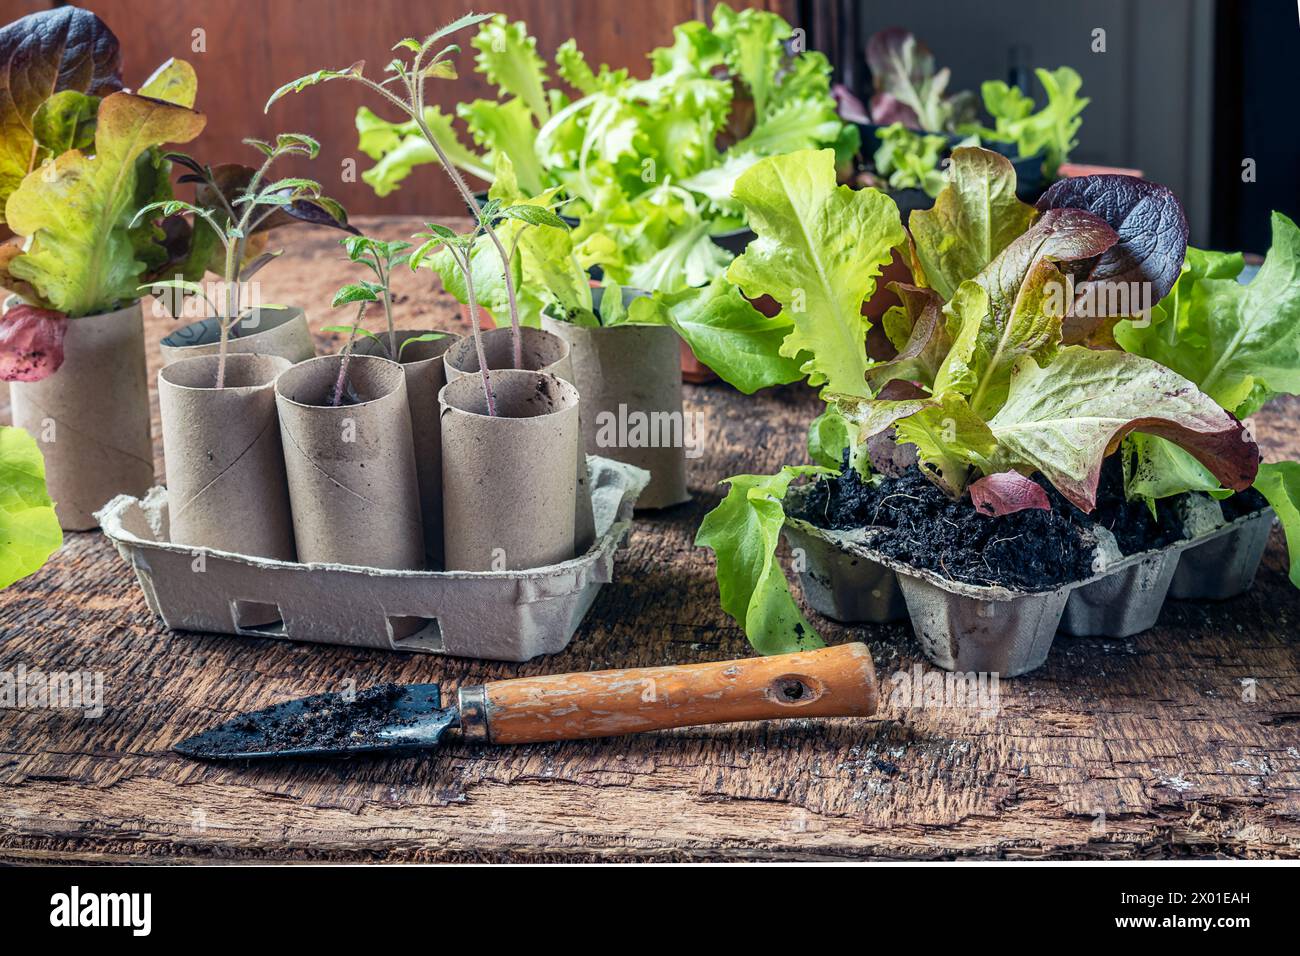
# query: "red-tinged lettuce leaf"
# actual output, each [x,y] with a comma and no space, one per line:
[920,331]
[1015,306]
[908,88]
[1064,418]
[1007,492]
[83,255]
[1142,267]
[61,49]
[31,343]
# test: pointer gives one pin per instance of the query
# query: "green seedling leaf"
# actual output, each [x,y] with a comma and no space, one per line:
[358,292]
[974,218]
[312,79]
[426,337]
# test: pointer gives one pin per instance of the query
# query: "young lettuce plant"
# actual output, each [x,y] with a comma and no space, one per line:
[405,89]
[987,387]
[735,339]
[909,90]
[648,165]
[88,243]
[237,205]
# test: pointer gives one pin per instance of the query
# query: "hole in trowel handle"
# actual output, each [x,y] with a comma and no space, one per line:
[259,619]
[794,690]
[415,634]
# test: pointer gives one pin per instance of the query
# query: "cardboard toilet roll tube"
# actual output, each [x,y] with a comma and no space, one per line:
[542,352]
[426,374]
[91,417]
[630,380]
[226,485]
[508,482]
[280,332]
[351,469]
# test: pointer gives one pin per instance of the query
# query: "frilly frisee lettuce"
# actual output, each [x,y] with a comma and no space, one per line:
[984,391]
[718,99]
[29,528]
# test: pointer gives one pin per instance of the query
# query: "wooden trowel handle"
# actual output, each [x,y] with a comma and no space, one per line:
[832,682]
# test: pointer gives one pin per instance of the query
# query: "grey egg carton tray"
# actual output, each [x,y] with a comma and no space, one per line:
[494,615]
[968,627]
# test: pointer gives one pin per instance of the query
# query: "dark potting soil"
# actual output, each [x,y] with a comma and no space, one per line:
[1031,550]
[327,720]
[1242,503]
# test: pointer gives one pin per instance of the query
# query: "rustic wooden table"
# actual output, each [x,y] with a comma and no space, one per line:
[1183,741]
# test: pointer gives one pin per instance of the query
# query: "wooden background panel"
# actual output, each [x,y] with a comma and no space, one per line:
[250,50]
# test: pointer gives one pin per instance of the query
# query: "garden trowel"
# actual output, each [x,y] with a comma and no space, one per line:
[831,682]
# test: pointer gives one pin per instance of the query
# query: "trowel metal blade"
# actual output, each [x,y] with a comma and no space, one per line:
[389,717]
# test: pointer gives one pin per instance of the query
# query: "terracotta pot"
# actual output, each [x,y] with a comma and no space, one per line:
[279,332]
[543,352]
[91,417]
[226,485]
[351,469]
[426,374]
[630,380]
[508,480]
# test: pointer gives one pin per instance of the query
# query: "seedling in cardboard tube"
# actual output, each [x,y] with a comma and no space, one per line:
[237,205]
[408,76]
[380,257]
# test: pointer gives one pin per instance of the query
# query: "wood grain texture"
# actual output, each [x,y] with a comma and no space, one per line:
[831,682]
[249,50]
[1184,740]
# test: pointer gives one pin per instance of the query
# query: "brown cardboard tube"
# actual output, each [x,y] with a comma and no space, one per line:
[542,352]
[630,380]
[426,374]
[351,469]
[280,332]
[226,486]
[508,482]
[91,417]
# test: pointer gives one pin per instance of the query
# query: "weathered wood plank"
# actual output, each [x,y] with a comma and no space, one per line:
[1116,749]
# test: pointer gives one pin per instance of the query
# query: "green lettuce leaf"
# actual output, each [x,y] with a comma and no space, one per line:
[507,128]
[508,57]
[29,528]
[1062,419]
[728,334]
[918,329]
[974,218]
[1015,306]
[82,258]
[819,250]
[910,160]
[743,532]
[1239,343]
[1052,129]
[66,48]
[1279,482]
[397,148]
